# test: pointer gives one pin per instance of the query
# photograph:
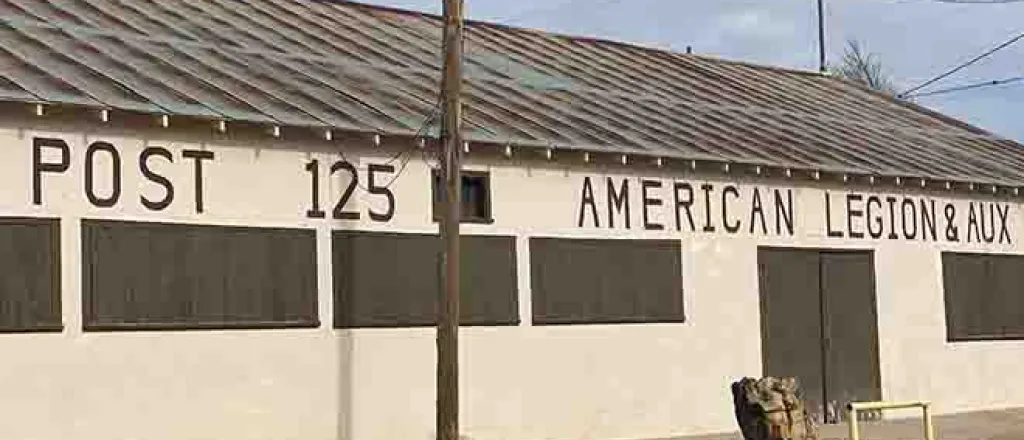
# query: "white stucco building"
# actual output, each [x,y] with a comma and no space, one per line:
[217,223]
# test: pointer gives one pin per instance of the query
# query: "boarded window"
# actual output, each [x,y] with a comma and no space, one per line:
[393,280]
[138,276]
[30,275]
[983,296]
[475,193]
[606,281]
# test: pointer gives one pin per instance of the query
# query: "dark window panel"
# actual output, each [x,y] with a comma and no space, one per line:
[578,281]
[983,296]
[139,276]
[394,280]
[30,275]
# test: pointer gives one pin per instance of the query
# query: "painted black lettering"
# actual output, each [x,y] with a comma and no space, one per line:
[757,211]
[1004,229]
[39,167]
[875,221]
[892,218]
[198,156]
[952,231]
[372,187]
[852,213]
[784,212]
[707,188]
[988,234]
[685,203]
[618,202]
[339,213]
[973,229]
[587,199]
[909,218]
[928,222]
[735,227]
[161,204]
[313,167]
[90,174]
[645,187]
[828,218]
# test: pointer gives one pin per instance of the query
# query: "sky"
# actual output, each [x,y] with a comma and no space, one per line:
[916,40]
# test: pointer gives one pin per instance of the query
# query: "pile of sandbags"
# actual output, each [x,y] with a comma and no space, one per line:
[771,409]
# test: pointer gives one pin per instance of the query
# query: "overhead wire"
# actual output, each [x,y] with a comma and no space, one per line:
[964,65]
[966,87]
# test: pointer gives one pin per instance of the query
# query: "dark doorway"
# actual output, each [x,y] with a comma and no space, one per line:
[819,324]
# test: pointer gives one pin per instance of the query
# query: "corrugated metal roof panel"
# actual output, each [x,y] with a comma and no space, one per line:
[330,63]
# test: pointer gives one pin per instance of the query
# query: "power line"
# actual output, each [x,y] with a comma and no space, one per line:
[971,86]
[964,65]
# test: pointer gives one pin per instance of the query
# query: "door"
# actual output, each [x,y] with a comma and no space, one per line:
[818,324]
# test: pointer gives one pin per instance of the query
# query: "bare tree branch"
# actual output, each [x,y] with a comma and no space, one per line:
[861,66]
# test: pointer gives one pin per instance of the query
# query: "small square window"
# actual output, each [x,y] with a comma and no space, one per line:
[476,196]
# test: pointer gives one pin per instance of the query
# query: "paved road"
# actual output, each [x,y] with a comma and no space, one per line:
[994,425]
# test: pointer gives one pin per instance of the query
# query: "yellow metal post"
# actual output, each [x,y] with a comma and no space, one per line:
[851,418]
[929,431]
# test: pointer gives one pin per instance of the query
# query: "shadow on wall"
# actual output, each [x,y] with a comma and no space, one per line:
[346,345]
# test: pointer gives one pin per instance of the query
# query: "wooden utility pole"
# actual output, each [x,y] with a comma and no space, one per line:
[447,427]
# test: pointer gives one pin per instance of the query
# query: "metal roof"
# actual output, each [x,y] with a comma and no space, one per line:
[348,66]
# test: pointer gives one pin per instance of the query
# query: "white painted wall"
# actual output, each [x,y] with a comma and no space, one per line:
[520,383]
